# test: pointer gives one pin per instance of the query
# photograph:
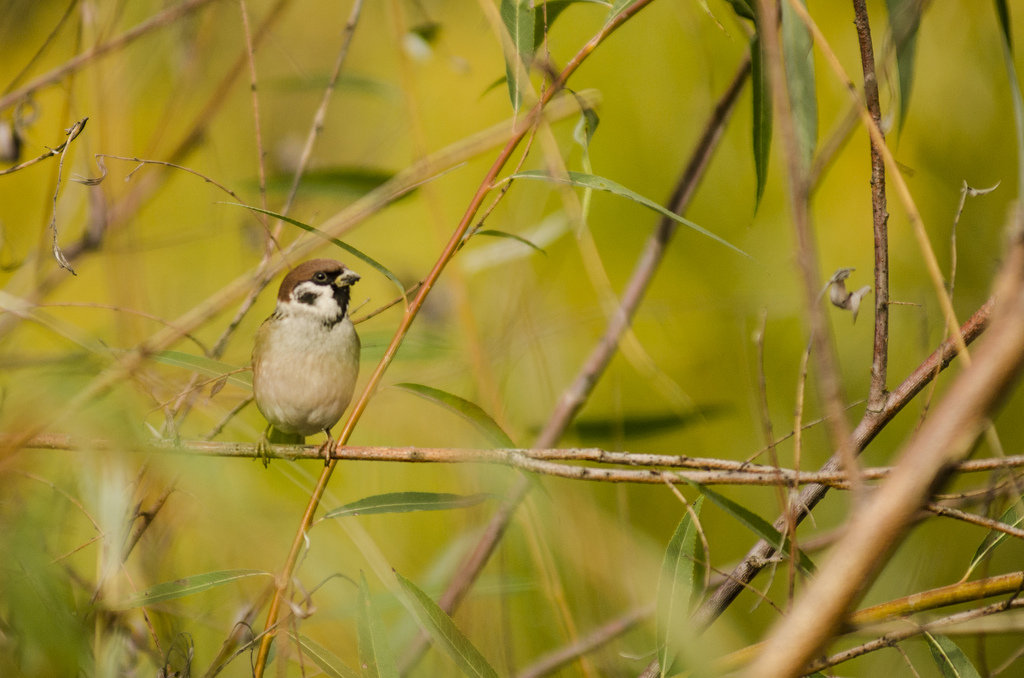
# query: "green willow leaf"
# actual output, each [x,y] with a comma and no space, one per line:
[511,236]
[950,659]
[334,181]
[904,20]
[549,10]
[186,586]
[375,656]
[519,17]
[204,365]
[343,245]
[406,502]
[324,658]
[797,46]
[756,524]
[743,8]
[679,586]
[616,8]
[1003,10]
[602,184]
[762,117]
[472,412]
[445,634]
[994,539]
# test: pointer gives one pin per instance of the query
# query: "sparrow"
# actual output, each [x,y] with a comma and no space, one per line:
[306,356]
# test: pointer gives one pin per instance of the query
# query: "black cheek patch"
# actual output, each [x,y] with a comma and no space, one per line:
[307,298]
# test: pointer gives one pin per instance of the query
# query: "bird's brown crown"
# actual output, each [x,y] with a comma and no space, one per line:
[305,272]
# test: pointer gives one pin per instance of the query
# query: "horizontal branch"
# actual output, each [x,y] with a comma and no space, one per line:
[645,468]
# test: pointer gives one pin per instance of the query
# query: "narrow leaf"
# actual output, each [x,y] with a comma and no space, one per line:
[519,19]
[743,8]
[464,408]
[324,658]
[345,246]
[445,634]
[375,656]
[950,659]
[186,586]
[586,127]
[1003,10]
[904,20]
[762,117]
[357,181]
[678,586]
[510,236]
[207,366]
[602,184]
[799,61]
[617,7]
[405,502]
[993,539]
[494,254]
[548,11]
[756,524]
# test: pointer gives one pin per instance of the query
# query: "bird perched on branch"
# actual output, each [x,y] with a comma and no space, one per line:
[306,358]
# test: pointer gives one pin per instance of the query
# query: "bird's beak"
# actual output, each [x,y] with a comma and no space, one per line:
[346,278]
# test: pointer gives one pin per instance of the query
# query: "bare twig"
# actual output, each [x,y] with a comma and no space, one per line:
[642,468]
[70,135]
[162,163]
[605,633]
[879,213]
[981,521]
[890,639]
[58,254]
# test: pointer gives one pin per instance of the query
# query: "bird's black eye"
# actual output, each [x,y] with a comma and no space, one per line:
[320,277]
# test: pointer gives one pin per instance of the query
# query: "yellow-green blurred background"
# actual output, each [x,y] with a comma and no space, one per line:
[507,327]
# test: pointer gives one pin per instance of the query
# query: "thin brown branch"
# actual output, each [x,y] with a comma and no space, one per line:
[650,469]
[974,519]
[70,135]
[875,531]
[58,254]
[162,163]
[552,662]
[879,214]
[890,639]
